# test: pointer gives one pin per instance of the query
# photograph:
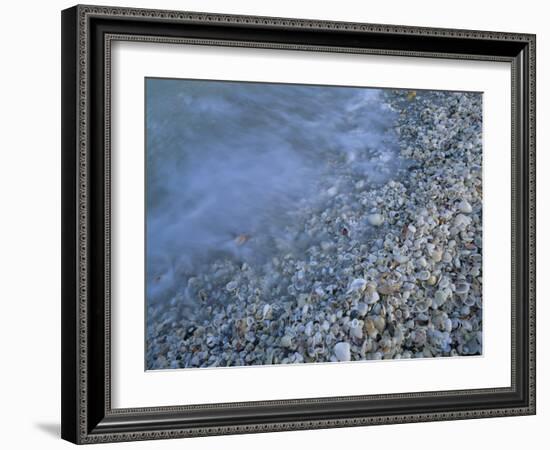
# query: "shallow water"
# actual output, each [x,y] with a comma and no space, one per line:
[231,166]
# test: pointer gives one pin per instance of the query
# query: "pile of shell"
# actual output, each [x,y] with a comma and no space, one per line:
[388,272]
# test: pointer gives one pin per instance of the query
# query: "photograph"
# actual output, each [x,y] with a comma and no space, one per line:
[300,224]
[281,220]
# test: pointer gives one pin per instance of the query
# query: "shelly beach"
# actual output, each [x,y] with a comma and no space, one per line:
[305,224]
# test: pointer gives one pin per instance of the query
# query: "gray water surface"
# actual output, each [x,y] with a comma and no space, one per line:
[230,166]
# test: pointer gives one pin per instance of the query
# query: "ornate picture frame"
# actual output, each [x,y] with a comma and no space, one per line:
[88,33]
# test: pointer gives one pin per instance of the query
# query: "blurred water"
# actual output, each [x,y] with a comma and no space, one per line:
[227,161]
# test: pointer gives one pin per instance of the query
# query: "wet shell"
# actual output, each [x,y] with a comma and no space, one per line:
[357,285]
[375,220]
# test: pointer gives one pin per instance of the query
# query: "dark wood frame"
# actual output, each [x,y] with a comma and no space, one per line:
[87,32]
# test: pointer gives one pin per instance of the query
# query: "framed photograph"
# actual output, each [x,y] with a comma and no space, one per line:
[278,224]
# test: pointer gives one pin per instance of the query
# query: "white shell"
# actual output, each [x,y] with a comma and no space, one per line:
[342,351]
[362,309]
[356,331]
[375,219]
[462,221]
[462,288]
[372,297]
[267,312]
[440,297]
[357,285]
[465,207]
[331,192]
[401,259]
[231,286]
[424,275]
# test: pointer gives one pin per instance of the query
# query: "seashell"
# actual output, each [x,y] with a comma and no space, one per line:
[461,221]
[332,191]
[375,219]
[441,297]
[465,207]
[380,323]
[371,287]
[437,255]
[447,257]
[210,341]
[475,271]
[317,338]
[462,288]
[432,280]
[250,336]
[362,309]
[231,286]
[370,328]
[389,286]
[421,262]
[372,297]
[423,305]
[357,285]
[419,337]
[473,345]
[286,341]
[342,351]
[302,300]
[356,329]
[424,275]
[267,312]
[401,259]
